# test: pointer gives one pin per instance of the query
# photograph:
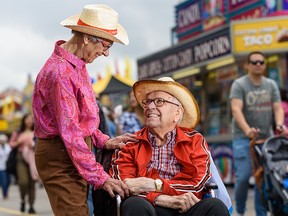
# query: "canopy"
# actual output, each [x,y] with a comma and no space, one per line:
[112,84]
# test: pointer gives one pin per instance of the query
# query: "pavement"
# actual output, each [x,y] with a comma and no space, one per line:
[11,205]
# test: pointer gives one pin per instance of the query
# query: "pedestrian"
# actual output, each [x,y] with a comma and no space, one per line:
[166,170]
[132,119]
[23,140]
[5,150]
[66,113]
[254,99]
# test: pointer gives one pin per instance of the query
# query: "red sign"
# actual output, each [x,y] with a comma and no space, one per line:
[251,14]
[236,4]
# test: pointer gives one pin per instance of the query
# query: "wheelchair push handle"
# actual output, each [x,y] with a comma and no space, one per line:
[211,186]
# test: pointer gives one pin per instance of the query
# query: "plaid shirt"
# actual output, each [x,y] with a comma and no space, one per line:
[163,158]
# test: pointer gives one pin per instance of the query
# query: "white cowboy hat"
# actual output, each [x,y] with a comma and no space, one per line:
[166,84]
[98,20]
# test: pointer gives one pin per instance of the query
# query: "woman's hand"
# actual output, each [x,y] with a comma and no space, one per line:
[114,186]
[25,139]
[120,141]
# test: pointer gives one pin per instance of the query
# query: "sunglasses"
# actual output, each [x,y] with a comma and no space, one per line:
[257,62]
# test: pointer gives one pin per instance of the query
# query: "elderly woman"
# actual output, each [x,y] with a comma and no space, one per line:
[66,113]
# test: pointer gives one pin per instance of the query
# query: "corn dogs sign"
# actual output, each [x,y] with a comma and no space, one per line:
[265,34]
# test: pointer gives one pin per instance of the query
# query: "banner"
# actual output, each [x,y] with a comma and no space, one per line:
[264,34]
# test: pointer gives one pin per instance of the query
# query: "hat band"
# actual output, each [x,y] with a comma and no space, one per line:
[113,31]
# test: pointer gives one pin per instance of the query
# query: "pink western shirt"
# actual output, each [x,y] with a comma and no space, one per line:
[64,105]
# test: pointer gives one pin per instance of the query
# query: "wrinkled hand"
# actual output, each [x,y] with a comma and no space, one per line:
[185,201]
[140,185]
[181,202]
[114,186]
[120,141]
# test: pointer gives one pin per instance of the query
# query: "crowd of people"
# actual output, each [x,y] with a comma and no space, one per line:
[151,155]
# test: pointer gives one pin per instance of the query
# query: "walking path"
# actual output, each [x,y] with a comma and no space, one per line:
[11,206]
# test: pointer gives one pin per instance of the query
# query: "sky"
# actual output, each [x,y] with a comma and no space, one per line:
[30,28]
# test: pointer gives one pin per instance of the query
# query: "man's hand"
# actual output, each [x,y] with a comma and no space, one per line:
[182,202]
[120,141]
[282,129]
[140,185]
[252,133]
[114,186]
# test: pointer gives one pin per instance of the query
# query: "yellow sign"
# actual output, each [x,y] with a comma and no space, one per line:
[3,125]
[264,34]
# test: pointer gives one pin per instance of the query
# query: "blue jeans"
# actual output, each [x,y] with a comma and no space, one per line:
[4,182]
[243,171]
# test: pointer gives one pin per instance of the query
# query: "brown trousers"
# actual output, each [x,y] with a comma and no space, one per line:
[65,187]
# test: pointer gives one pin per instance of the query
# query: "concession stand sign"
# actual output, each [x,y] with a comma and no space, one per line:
[266,34]
[192,53]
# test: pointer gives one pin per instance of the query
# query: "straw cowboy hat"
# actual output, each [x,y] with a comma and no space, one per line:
[166,84]
[98,20]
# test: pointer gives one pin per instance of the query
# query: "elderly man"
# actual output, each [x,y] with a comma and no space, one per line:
[167,168]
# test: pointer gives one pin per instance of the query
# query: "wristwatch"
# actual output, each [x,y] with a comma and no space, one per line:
[158,184]
[280,127]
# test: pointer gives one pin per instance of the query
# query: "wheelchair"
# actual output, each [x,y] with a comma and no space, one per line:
[208,193]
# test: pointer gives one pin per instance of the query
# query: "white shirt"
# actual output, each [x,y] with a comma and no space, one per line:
[4,153]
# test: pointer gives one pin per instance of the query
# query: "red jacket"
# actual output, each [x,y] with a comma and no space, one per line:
[191,151]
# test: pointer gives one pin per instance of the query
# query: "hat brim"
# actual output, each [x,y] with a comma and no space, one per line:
[184,96]
[121,36]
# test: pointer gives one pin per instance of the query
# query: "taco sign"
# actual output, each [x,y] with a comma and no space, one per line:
[266,34]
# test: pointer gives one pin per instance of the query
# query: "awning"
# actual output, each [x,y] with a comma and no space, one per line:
[112,84]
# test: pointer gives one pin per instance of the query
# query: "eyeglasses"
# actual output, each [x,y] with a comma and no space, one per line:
[256,62]
[96,39]
[159,102]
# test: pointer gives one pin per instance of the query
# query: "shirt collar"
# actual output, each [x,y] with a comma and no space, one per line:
[71,58]
[170,137]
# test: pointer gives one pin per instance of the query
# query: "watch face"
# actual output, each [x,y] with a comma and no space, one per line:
[158,181]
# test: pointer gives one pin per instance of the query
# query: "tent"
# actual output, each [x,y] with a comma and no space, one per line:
[112,84]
